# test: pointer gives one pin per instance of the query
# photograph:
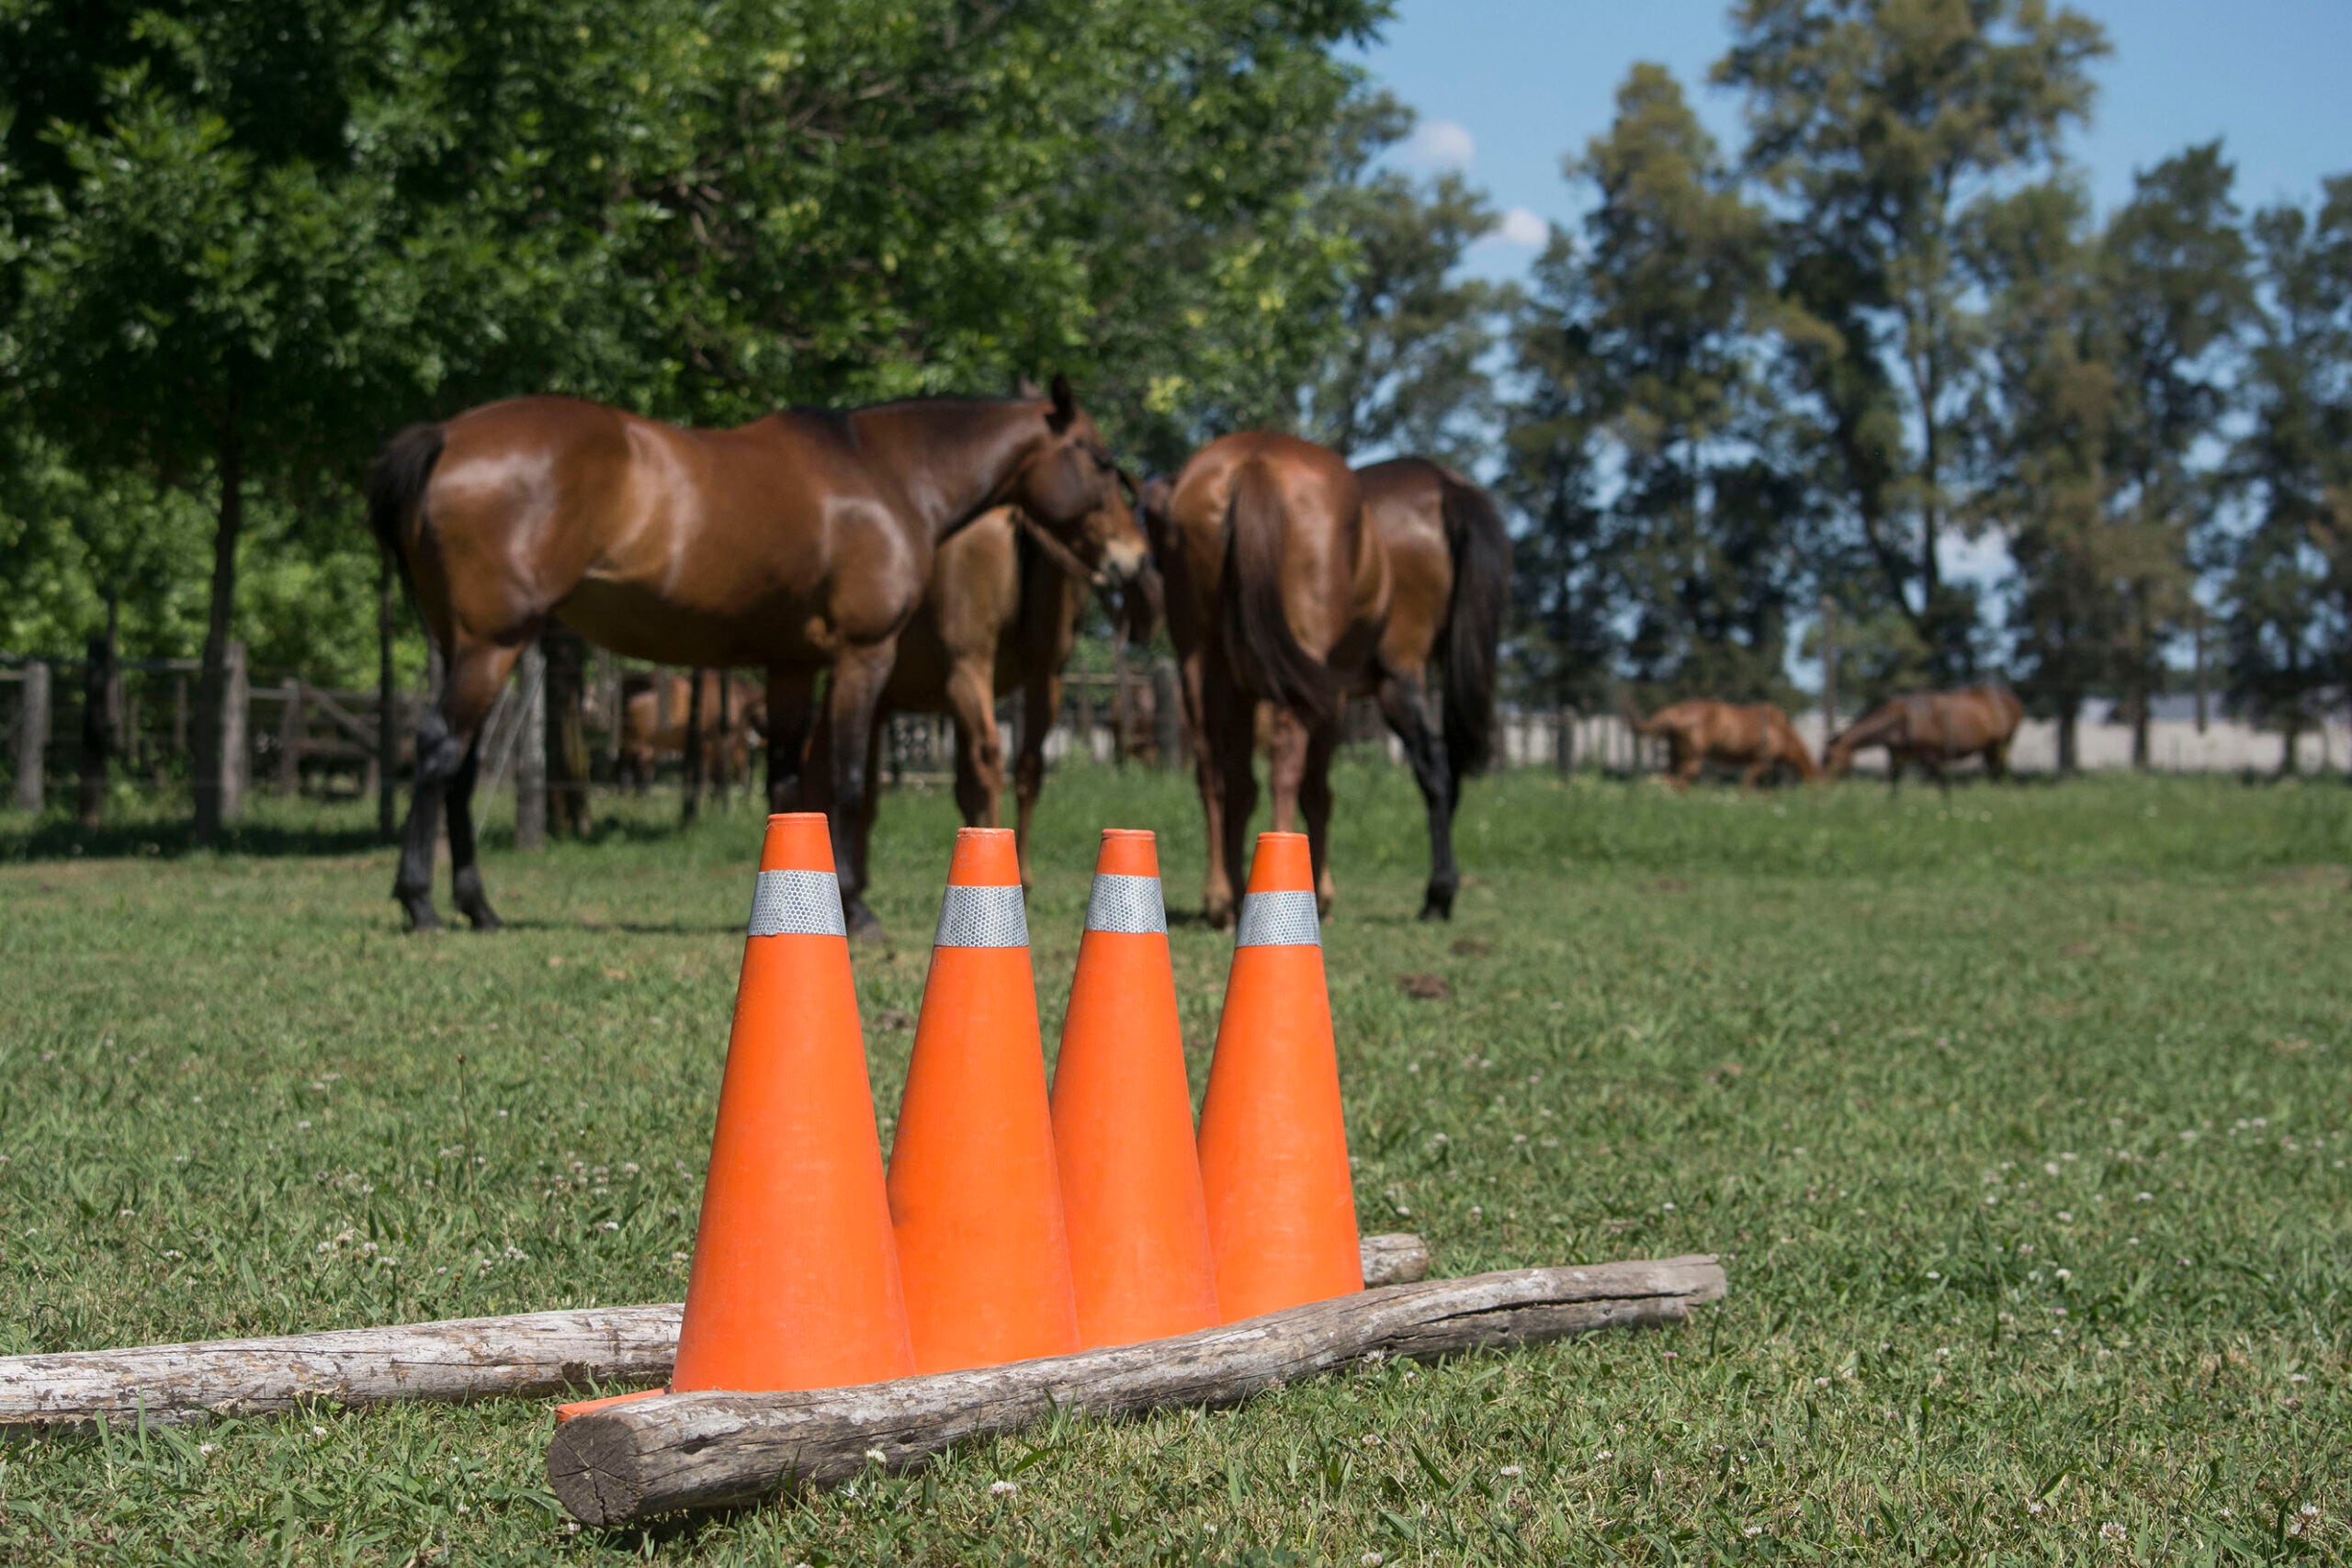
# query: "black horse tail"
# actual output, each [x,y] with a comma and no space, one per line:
[396,482]
[1474,621]
[1257,635]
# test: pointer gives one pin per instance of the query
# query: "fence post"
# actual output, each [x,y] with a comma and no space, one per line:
[1166,713]
[721,764]
[290,740]
[236,722]
[531,752]
[1564,742]
[2197,630]
[32,737]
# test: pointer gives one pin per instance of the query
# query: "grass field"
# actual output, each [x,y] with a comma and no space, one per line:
[2022,1121]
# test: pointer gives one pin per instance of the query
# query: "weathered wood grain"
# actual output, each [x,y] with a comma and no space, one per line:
[690,1450]
[475,1358]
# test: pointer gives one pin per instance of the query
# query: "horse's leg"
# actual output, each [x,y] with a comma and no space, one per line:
[876,734]
[851,697]
[477,670]
[1314,805]
[1041,703]
[1401,704]
[1688,761]
[791,691]
[1753,779]
[1997,761]
[1285,767]
[1229,746]
[1208,778]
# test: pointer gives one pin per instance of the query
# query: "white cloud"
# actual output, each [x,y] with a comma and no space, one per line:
[1522,227]
[1440,144]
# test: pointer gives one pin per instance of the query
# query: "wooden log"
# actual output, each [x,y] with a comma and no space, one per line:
[696,1450]
[474,1358]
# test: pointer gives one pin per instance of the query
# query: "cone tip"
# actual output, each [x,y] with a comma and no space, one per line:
[797,840]
[1127,852]
[985,857]
[1283,864]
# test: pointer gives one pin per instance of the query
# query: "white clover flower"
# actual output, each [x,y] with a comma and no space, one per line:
[878,1456]
[2111,1531]
[1004,1488]
[1510,1472]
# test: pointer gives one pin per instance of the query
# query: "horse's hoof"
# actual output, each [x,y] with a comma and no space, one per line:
[1216,916]
[485,919]
[1438,905]
[422,916]
[860,922]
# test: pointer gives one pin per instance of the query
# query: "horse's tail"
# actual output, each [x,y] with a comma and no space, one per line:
[1474,621]
[396,482]
[1258,634]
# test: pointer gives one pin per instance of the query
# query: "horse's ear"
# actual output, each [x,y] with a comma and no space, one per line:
[1024,388]
[1064,405]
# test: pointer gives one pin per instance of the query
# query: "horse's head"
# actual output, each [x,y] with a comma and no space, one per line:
[1837,755]
[1073,489]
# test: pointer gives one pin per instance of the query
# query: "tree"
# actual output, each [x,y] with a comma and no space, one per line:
[2043,431]
[2287,627]
[1876,125]
[1649,325]
[2173,267]
[1408,375]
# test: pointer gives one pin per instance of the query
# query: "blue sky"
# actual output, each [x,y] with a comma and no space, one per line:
[1504,87]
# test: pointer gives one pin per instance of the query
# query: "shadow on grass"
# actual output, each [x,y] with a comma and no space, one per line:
[59,838]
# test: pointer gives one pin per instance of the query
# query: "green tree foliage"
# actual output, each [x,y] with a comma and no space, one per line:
[1407,372]
[2289,617]
[1646,328]
[245,241]
[1877,125]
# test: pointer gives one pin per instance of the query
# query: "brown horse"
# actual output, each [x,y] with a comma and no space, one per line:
[800,543]
[655,710]
[1001,614]
[1931,728]
[1294,581]
[1758,738]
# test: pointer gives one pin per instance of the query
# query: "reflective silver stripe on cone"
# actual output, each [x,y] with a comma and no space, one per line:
[982,917]
[1278,920]
[797,903]
[1127,903]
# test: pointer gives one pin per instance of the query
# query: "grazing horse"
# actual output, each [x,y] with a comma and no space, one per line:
[1758,738]
[1932,729]
[656,709]
[800,543]
[1294,581]
[1001,614]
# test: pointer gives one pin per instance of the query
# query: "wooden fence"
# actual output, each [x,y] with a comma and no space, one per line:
[553,735]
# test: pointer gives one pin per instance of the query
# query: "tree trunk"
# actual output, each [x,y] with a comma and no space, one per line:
[32,738]
[1829,667]
[217,796]
[567,742]
[98,719]
[2197,629]
[2070,716]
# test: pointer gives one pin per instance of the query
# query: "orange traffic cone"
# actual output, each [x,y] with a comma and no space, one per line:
[1123,1118]
[1273,1144]
[796,1280]
[973,1189]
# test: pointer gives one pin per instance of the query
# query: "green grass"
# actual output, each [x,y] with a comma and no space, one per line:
[2019,1119]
